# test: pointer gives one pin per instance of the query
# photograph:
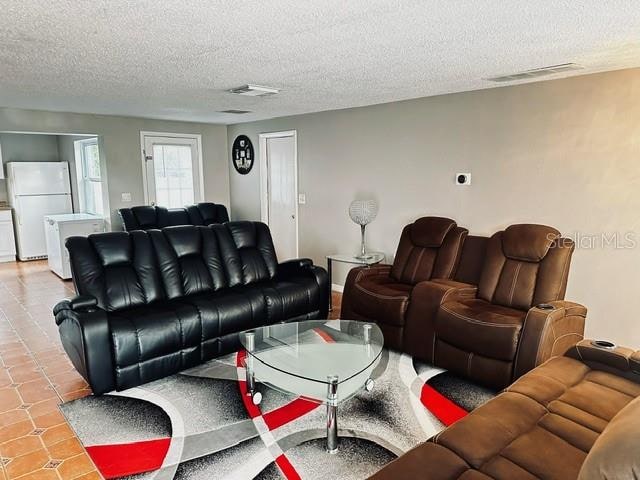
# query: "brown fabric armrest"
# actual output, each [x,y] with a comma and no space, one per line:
[355,274]
[426,299]
[619,360]
[547,333]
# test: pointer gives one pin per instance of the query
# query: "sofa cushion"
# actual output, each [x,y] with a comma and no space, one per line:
[117,268]
[226,313]
[189,260]
[152,340]
[616,453]
[381,299]
[477,326]
[247,251]
[543,426]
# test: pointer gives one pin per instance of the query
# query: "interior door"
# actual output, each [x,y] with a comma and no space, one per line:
[173,173]
[282,186]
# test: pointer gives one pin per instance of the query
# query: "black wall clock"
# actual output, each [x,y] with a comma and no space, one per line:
[242,154]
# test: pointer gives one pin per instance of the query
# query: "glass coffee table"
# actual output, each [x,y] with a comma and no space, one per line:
[324,361]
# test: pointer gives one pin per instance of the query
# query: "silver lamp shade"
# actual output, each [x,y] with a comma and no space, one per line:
[362,212]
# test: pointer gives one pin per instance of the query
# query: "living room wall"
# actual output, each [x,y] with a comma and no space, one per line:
[564,153]
[120,144]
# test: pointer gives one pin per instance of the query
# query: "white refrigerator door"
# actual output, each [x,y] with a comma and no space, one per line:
[30,212]
[38,178]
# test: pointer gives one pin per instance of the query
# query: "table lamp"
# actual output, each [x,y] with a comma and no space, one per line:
[363,212]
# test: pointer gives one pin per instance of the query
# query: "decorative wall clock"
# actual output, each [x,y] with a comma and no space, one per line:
[242,154]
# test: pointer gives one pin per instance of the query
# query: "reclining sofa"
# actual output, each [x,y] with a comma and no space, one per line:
[152,303]
[146,217]
[576,416]
[489,309]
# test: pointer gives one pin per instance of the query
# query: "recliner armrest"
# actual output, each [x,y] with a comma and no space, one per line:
[293,267]
[86,337]
[548,330]
[594,354]
[426,299]
[77,304]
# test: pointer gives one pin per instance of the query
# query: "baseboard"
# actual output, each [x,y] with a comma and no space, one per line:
[337,288]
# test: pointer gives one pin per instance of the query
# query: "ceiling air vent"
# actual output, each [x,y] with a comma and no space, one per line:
[537,72]
[235,112]
[254,91]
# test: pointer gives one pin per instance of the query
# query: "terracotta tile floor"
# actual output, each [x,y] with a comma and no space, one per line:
[36,443]
[36,376]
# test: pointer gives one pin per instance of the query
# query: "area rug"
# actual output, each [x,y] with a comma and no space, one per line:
[199,424]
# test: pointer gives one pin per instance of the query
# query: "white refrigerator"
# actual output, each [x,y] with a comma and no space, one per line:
[36,189]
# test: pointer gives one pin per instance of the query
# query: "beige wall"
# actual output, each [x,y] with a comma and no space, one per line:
[565,153]
[120,146]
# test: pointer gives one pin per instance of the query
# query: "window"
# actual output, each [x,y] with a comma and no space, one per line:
[89,181]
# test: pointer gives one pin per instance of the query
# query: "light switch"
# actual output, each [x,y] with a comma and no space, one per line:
[302,199]
[126,197]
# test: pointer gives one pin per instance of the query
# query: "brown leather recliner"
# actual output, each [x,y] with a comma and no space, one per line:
[575,417]
[497,316]
[516,318]
[429,248]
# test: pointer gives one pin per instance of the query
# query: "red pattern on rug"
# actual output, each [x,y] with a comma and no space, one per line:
[444,409]
[122,459]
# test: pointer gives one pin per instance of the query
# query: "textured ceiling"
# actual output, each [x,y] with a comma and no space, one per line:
[177,59]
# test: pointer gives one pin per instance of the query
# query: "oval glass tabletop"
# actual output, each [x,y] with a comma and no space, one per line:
[305,357]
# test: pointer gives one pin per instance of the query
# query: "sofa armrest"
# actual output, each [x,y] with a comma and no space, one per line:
[305,267]
[353,277]
[293,267]
[426,298]
[597,354]
[548,330]
[86,337]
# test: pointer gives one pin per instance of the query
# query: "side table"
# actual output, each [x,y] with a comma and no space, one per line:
[371,258]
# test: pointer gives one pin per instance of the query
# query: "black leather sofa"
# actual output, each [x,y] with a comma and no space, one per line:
[146,217]
[152,303]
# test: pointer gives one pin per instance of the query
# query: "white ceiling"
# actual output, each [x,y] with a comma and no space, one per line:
[176,59]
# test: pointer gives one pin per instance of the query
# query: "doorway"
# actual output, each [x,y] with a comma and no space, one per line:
[172,169]
[279,190]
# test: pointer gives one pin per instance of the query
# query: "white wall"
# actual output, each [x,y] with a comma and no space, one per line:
[564,153]
[119,139]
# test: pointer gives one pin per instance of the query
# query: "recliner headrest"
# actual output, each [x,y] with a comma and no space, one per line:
[145,216]
[431,231]
[528,242]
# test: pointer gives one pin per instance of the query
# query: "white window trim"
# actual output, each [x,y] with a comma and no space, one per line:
[78,147]
[192,136]
[264,178]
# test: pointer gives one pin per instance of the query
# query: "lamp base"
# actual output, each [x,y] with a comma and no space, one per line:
[366,256]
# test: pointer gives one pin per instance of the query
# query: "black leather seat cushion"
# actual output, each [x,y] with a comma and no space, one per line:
[151,340]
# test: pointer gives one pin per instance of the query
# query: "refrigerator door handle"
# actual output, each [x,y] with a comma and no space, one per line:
[17,210]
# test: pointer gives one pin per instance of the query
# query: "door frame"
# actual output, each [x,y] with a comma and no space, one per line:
[193,136]
[264,182]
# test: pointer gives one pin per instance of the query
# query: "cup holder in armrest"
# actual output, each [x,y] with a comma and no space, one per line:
[545,306]
[603,344]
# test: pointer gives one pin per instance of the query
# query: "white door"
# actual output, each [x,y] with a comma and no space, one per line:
[280,190]
[173,170]
[30,212]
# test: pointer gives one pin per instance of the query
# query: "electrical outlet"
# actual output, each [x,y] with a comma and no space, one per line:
[125,197]
[302,199]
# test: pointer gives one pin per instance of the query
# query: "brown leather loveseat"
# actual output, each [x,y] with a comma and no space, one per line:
[498,313]
[574,417]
